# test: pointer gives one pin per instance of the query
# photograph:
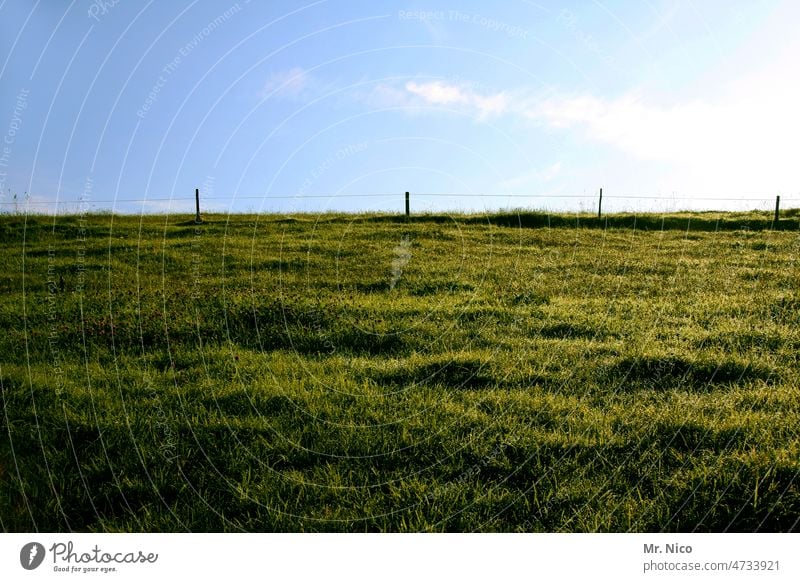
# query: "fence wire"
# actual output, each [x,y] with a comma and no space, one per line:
[701,198]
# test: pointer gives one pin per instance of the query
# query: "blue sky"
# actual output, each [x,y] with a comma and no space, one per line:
[333,105]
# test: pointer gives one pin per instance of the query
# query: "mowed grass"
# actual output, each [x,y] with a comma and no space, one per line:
[513,372]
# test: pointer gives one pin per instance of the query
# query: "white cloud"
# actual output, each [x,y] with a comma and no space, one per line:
[387,96]
[441,93]
[491,105]
[437,93]
[744,141]
[286,83]
[734,137]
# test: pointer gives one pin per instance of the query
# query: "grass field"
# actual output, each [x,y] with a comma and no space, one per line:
[513,372]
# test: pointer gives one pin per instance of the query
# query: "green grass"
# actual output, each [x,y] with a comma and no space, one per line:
[513,372]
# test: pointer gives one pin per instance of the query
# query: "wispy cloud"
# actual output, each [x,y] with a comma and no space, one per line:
[739,138]
[437,92]
[490,104]
[735,138]
[744,140]
[440,93]
[384,95]
[289,83]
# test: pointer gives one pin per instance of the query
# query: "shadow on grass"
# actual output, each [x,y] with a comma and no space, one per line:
[571,331]
[676,372]
[736,498]
[247,404]
[691,437]
[463,373]
[746,340]
[689,221]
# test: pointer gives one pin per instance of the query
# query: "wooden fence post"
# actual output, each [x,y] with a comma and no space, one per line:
[777,209]
[408,208]
[600,205]
[197,218]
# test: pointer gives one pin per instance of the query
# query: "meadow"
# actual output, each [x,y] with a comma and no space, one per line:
[515,372]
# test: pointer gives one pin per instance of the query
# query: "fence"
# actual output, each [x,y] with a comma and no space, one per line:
[600,197]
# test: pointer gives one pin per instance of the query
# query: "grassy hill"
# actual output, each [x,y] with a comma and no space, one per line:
[512,372]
